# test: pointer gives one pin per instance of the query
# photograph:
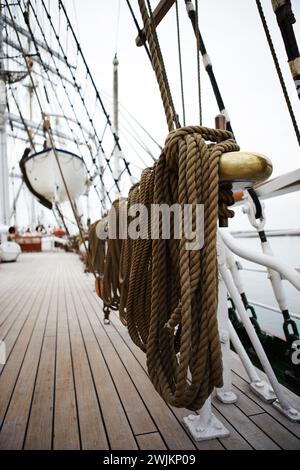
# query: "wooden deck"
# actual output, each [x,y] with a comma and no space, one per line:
[72,383]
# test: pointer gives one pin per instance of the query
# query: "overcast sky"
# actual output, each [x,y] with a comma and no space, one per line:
[236,43]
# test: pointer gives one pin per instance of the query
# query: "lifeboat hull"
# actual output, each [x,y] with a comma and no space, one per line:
[45,177]
[9,251]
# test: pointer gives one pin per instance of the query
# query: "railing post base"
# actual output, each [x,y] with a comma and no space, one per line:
[263,390]
[226,397]
[291,413]
[205,426]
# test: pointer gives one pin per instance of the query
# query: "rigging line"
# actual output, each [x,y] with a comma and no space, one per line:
[49,132]
[198,68]
[164,72]
[116,138]
[158,65]
[125,110]
[286,19]
[70,102]
[56,218]
[135,134]
[62,217]
[64,87]
[134,150]
[207,62]
[98,97]
[76,85]
[132,132]
[140,144]
[278,69]
[141,127]
[23,120]
[180,64]
[139,30]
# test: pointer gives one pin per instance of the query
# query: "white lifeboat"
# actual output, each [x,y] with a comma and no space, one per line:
[9,251]
[44,175]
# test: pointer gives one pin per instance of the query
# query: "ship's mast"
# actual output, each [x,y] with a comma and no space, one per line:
[116,166]
[4,175]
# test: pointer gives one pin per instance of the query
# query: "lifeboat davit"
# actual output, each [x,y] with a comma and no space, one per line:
[9,251]
[44,176]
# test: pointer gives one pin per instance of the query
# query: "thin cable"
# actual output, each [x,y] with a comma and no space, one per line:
[278,69]
[67,95]
[180,64]
[141,34]
[198,69]
[49,132]
[98,97]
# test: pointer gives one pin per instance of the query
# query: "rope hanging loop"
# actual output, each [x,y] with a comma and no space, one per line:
[167,295]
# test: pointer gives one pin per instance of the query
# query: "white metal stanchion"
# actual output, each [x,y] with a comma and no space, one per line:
[260,387]
[224,394]
[205,425]
[283,403]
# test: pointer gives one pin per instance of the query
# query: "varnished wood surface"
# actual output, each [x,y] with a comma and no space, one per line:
[71,382]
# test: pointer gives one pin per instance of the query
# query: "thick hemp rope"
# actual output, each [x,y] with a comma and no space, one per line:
[159,67]
[168,295]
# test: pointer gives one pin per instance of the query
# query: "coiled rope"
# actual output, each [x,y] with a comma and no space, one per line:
[167,295]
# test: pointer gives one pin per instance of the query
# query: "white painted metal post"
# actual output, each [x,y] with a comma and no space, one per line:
[285,406]
[259,387]
[205,425]
[224,394]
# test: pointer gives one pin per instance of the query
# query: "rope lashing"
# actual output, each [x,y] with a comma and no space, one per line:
[286,20]
[168,295]
[158,66]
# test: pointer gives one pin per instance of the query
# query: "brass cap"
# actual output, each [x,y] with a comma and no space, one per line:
[244,169]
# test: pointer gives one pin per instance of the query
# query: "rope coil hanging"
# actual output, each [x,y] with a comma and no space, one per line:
[167,294]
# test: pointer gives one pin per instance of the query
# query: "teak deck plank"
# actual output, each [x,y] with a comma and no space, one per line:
[234,441]
[71,382]
[10,372]
[90,421]
[15,422]
[138,415]
[118,429]
[40,425]
[66,430]
[151,441]
[276,432]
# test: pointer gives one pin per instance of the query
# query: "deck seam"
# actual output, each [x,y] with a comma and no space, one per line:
[72,365]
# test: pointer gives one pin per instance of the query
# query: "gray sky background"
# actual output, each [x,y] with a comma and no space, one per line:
[243,66]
